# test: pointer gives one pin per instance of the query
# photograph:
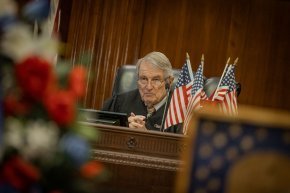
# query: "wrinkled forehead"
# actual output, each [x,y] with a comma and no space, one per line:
[150,70]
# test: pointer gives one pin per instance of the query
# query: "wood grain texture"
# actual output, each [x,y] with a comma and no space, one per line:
[120,32]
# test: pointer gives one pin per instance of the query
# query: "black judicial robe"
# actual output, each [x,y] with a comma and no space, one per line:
[131,102]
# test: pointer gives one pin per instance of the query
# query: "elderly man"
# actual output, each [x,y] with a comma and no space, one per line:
[146,105]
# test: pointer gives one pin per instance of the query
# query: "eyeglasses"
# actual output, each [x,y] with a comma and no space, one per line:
[155,82]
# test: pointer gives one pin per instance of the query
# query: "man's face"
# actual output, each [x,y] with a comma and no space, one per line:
[151,84]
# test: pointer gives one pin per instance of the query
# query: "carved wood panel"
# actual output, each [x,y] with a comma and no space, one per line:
[138,161]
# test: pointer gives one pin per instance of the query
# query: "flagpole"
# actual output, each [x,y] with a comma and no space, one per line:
[202,61]
[194,96]
[236,61]
[225,69]
[189,66]
[35,29]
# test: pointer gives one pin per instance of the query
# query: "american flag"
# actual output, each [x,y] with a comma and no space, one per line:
[223,87]
[229,102]
[197,94]
[180,97]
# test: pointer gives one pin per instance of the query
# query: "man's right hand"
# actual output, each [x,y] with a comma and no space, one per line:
[137,121]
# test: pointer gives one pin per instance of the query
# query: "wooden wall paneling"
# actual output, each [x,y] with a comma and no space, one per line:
[257,50]
[119,32]
[119,44]
[249,30]
[238,28]
[65,7]
[278,78]
[187,26]
[84,20]
[106,44]
[216,34]
[111,31]
[258,59]
[163,28]
[243,12]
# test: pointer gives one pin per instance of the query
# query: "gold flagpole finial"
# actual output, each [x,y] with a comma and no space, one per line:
[236,61]
[228,61]
[187,55]
[202,57]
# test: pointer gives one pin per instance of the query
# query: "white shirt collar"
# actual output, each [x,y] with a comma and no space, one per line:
[158,105]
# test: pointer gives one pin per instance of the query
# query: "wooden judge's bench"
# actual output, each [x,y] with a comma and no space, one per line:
[138,161]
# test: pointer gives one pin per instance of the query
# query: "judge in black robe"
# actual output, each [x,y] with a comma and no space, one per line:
[146,106]
[131,102]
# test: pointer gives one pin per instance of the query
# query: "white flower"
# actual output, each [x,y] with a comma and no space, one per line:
[35,139]
[13,133]
[47,47]
[19,43]
[41,139]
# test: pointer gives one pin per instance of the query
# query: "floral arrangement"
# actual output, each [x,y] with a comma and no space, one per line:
[43,148]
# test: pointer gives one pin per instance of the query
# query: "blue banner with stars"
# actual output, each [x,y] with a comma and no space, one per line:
[238,157]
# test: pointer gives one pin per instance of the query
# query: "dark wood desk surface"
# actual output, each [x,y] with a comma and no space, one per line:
[138,161]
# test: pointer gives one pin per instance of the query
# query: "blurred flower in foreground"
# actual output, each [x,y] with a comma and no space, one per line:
[19,42]
[43,148]
[8,10]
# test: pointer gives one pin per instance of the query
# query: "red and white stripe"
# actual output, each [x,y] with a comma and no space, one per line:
[194,105]
[229,104]
[178,105]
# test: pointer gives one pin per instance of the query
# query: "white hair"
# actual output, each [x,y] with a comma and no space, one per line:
[158,60]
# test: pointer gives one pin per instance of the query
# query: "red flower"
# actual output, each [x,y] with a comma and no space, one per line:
[91,169]
[19,173]
[14,106]
[60,106]
[35,76]
[77,81]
